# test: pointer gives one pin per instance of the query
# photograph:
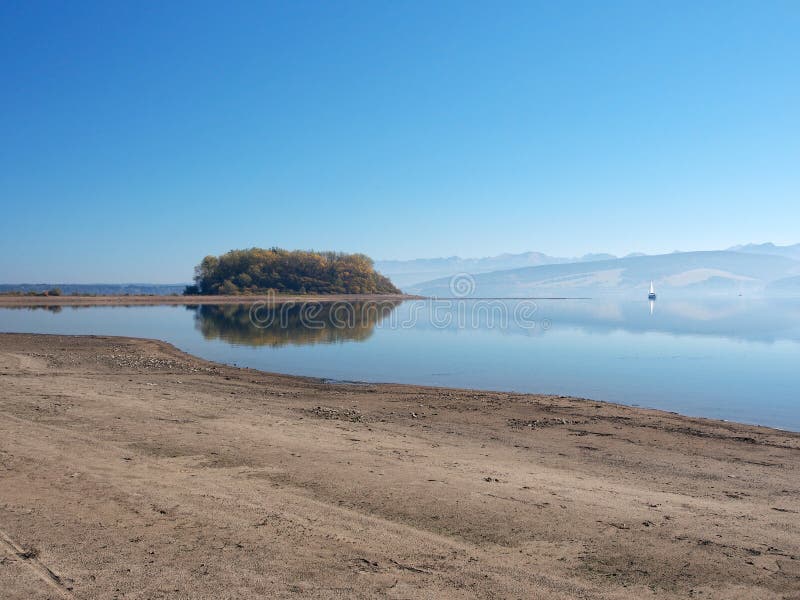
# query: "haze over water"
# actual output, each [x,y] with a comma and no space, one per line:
[726,358]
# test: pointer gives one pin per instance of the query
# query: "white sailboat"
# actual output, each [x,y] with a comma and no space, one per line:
[652,294]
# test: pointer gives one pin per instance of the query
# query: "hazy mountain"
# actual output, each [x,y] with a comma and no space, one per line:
[405,273]
[792,252]
[690,272]
[409,274]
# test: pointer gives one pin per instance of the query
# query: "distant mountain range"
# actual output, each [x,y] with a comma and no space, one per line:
[792,252]
[728,271]
[409,272]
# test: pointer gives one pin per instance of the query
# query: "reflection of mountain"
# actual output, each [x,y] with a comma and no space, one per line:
[690,272]
[789,285]
[291,324]
[762,320]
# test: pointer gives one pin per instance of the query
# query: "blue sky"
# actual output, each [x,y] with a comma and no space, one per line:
[137,138]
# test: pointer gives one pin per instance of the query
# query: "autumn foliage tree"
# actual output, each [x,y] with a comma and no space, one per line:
[258,271]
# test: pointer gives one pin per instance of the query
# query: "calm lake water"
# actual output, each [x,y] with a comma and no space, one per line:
[735,359]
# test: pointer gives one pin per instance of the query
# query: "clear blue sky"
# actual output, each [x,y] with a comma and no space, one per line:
[137,138]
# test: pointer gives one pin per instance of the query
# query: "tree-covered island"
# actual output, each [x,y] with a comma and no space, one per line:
[260,271]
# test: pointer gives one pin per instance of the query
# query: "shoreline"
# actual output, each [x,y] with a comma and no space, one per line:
[7,300]
[24,301]
[711,421]
[135,469]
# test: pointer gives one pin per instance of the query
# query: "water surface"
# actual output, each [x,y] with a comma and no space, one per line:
[728,358]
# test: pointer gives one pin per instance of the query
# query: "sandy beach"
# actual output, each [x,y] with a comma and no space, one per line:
[129,469]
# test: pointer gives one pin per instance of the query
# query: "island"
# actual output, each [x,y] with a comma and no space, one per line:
[274,270]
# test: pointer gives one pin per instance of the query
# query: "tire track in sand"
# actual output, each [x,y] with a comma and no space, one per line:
[29,559]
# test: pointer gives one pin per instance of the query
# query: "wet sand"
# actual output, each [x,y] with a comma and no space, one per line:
[129,469]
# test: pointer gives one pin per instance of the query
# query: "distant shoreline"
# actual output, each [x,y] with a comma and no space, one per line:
[23,301]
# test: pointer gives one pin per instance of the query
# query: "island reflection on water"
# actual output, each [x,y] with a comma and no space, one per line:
[291,324]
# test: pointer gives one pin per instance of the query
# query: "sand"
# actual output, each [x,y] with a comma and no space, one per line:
[129,469]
